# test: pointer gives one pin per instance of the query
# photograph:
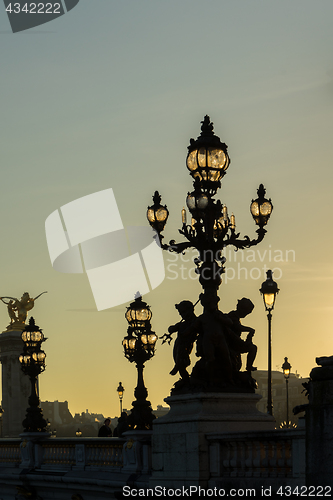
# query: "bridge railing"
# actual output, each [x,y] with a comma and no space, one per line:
[129,454]
[10,452]
[82,452]
[265,454]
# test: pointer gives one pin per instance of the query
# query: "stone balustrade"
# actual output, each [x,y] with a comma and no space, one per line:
[266,456]
[10,451]
[251,459]
[82,452]
[65,467]
[64,453]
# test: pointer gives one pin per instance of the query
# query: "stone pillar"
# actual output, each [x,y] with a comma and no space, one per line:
[319,428]
[180,449]
[15,385]
[137,452]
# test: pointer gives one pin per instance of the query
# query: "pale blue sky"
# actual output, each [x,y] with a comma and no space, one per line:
[108,96]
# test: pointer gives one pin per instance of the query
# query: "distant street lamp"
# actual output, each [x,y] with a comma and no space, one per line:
[120,391]
[139,347]
[269,290]
[286,367]
[78,433]
[33,363]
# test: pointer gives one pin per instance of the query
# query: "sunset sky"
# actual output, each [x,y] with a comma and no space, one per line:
[108,96]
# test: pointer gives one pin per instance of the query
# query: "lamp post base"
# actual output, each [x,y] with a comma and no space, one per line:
[141,417]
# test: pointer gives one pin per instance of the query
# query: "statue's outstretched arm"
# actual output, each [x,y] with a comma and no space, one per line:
[39,295]
[175,328]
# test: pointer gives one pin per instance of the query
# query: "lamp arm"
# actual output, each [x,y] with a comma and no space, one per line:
[245,242]
[178,247]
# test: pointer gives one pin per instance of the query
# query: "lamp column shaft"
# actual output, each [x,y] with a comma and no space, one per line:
[121,407]
[141,417]
[34,421]
[140,392]
[33,398]
[287,388]
[269,383]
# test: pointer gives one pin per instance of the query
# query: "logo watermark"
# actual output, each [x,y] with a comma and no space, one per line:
[241,265]
[25,15]
[87,235]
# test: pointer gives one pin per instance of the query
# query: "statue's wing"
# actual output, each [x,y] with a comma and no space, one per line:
[11,298]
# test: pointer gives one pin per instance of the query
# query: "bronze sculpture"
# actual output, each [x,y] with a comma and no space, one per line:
[184,343]
[18,309]
[219,347]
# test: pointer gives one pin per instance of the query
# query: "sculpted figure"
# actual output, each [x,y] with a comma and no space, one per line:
[238,346]
[212,343]
[11,311]
[18,309]
[215,365]
[220,345]
[185,339]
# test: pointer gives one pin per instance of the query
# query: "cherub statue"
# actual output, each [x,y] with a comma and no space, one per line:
[219,345]
[18,309]
[237,346]
[185,339]
[212,344]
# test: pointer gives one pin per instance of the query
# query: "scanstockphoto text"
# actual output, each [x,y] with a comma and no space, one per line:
[241,265]
[187,491]
[218,492]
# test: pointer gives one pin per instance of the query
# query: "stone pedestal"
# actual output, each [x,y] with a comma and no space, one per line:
[31,449]
[180,449]
[319,429]
[15,385]
[137,452]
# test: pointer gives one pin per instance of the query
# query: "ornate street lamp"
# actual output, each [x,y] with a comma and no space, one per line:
[207,158]
[261,208]
[78,433]
[120,391]
[286,367]
[211,228]
[33,363]
[269,291]
[139,347]
[157,214]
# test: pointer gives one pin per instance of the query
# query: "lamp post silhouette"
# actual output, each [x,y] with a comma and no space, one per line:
[120,391]
[139,347]
[33,363]
[286,367]
[211,228]
[269,290]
